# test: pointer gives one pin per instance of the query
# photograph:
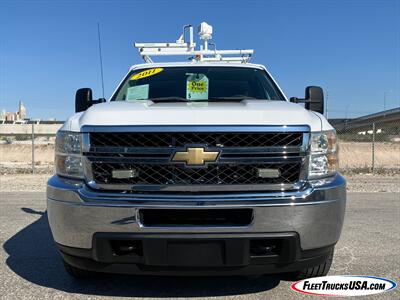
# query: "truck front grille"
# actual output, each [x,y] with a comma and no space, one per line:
[213,174]
[180,139]
[147,157]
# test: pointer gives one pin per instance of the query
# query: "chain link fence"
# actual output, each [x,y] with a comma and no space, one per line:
[372,148]
[30,152]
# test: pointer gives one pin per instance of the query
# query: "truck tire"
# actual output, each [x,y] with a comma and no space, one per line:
[315,271]
[76,272]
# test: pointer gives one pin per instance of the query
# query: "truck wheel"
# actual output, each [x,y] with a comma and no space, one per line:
[76,272]
[315,271]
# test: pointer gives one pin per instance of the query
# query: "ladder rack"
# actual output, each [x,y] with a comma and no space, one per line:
[184,47]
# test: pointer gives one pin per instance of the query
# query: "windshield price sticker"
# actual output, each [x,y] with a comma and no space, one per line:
[197,87]
[138,92]
[146,73]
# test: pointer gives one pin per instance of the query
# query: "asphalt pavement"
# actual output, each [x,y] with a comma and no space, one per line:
[32,269]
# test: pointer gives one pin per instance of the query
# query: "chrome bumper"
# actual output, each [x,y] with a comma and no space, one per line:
[76,212]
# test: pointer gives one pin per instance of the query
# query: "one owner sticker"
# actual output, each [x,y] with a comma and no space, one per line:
[146,73]
[343,286]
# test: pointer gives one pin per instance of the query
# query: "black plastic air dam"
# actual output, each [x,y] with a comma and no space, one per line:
[195,217]
[199,250]
[171,254]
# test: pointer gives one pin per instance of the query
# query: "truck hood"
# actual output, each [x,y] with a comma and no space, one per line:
[248,112]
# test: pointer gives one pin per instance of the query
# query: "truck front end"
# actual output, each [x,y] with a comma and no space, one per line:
[197,170]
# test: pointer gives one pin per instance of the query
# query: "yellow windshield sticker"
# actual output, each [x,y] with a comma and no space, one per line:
[146,73]
[196,87]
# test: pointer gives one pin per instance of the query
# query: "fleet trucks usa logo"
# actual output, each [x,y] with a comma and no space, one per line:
[343,286]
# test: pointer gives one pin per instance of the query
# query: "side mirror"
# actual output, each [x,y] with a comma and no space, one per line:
[314,99]
[83,99]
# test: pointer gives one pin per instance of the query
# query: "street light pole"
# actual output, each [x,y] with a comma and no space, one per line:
[384,100]
[326,103]
[346,118]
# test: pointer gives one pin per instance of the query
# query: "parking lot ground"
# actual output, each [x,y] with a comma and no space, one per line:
[31,268]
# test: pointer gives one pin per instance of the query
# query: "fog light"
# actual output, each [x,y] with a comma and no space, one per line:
[264,247]
[123,174]
[126,247]
[268,173]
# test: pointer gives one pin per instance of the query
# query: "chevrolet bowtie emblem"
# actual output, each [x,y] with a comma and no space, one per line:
[195,156]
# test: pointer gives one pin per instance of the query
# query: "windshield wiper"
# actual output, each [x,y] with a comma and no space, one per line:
[230,98]
[168,99]
[214,99]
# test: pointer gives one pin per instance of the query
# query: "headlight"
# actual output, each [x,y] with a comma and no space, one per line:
[324,154]
[68,160]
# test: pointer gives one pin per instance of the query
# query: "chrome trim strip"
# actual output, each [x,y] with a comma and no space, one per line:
[132,159]
[222,160]
[322,190]
[170,150]
[85,142]
[130,150]
[261,160]
[197,187]
[197,128]
[261,150]
[305,147]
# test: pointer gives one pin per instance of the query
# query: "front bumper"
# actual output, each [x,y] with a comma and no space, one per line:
[78,214]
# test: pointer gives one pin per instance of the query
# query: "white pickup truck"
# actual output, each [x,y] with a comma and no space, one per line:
[197,168]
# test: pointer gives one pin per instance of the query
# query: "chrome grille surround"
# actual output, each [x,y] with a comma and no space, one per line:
[278,147]
[181,139]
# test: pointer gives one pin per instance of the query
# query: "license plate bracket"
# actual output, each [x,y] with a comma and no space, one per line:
[195,253]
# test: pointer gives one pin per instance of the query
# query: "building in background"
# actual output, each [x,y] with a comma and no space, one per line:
[19,115]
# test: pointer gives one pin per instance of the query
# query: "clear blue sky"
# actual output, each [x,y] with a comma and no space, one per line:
[351,48]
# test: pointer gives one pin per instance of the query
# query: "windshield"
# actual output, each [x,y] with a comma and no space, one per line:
[197,84]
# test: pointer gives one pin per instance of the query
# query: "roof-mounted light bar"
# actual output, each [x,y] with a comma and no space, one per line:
[187,48]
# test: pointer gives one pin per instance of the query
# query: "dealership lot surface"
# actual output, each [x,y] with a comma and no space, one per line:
[31,268]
